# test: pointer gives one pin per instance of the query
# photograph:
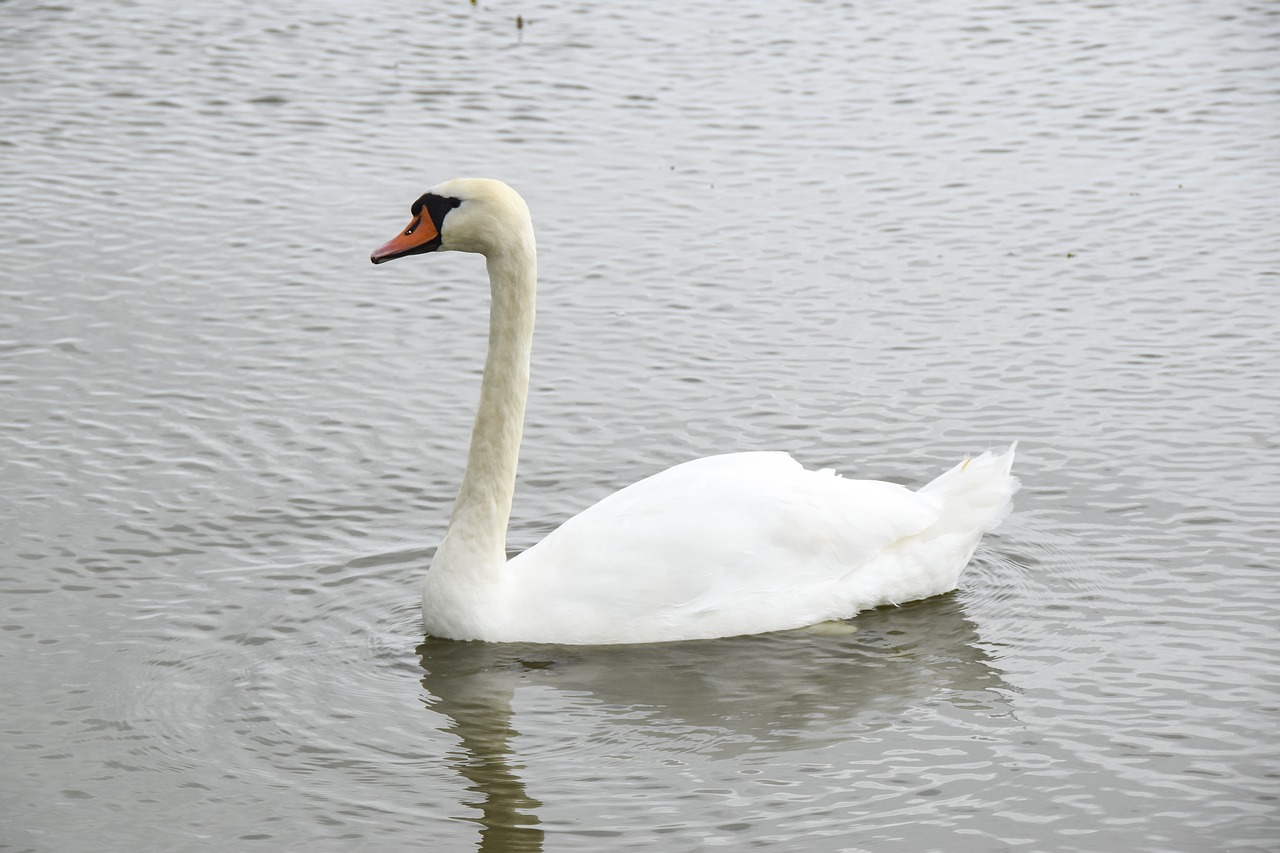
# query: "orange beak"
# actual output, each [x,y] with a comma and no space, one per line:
[421,236]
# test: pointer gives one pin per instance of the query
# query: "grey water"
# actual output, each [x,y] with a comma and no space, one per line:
[877,235]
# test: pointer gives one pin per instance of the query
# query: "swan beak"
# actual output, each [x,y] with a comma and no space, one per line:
[420,236]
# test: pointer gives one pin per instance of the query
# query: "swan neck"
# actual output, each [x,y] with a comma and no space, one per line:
[478,528]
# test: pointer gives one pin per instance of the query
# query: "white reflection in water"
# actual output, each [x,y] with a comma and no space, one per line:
[769,694]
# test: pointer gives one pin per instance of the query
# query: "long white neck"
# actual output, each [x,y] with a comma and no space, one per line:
[475,542]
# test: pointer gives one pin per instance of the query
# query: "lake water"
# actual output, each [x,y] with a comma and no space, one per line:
[877,235]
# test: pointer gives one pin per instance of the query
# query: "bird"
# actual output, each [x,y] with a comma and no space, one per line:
[726,545]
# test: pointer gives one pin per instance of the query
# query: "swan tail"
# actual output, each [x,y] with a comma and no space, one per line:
[976,495]
[972,499]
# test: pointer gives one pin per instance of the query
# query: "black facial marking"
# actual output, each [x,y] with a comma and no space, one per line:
[437,206]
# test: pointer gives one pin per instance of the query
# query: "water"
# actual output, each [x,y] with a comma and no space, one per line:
[876,235]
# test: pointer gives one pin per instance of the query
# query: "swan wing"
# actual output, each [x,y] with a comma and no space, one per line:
[737,543]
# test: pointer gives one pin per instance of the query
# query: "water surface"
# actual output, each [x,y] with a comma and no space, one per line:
[878,236]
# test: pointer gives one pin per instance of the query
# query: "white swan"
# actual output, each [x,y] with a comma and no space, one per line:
[735,544]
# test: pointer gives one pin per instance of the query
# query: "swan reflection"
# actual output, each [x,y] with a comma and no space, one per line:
[777,692]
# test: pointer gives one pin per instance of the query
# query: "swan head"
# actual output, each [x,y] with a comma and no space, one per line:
[463,215]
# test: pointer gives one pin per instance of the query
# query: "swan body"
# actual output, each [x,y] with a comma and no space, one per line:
[739,543]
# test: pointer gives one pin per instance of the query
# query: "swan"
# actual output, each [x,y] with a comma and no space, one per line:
[739,543]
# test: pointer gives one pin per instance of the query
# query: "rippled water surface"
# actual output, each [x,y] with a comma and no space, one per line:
[878,235]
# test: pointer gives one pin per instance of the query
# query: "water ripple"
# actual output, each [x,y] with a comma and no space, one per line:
[877,237]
